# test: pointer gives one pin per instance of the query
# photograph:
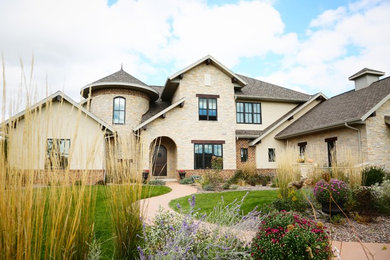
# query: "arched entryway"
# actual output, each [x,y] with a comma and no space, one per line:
[163,156]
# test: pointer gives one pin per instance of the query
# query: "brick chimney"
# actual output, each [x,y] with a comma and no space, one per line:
[365,77]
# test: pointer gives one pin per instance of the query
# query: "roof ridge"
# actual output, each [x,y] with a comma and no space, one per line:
[275,85]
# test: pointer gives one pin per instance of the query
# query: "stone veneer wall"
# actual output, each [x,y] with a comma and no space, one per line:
[378,138]
[347,146]
[244,143]
[182,125]
[137,104]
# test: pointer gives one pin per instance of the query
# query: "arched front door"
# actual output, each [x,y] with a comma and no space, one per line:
[160,161]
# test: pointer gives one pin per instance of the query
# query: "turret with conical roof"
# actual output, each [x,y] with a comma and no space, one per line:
[120,99]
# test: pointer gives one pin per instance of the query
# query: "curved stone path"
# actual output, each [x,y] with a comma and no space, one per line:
[153,204]
[348,250]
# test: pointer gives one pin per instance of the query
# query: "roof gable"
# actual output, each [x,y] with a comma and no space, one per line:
[286,117]
[349,107]
[173,81]
[57,96]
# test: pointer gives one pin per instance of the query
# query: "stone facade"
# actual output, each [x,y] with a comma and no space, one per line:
[347,146]
[182,124]
[137,104]
[378,138]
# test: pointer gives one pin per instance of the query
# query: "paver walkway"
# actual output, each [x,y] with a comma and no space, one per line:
[348,250]
[154,203]
[354,250]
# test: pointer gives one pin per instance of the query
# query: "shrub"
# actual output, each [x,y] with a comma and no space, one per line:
[295,201]
[234,187]
[372,175]
[238,175]
[253,180]
[365,200]
[101,182]
[208,187]
[211,177]
[226,186]
[187,181]
[383,196]
[337,219]
[174,236]
[217,163]
[335,188]
[157,182]
[285,235]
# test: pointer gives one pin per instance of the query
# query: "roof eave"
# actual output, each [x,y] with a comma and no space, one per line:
[250,97]
[320,129]
[159,114]
[152,93]
[315,97]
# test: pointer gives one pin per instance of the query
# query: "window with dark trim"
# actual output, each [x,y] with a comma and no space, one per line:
[244,154]
[204,153]
[302,149]
[271,154]
[57,153]
[119,111]
[207,109]
[331,144]
[248,113]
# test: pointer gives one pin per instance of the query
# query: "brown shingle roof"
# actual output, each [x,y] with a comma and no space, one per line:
[249,133]
[260,89]
[155,108]
[120,76]
[347,107]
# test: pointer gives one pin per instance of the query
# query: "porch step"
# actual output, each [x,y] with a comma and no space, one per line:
[164,179]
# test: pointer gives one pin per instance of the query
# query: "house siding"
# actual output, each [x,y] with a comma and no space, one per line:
[378,138]
[182,124]
[58,120]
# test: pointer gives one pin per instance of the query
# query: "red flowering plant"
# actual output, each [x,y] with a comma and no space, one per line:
[286,235]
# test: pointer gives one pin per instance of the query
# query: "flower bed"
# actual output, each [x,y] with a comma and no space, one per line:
[285,235]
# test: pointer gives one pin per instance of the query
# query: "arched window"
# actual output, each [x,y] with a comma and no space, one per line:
[118,116]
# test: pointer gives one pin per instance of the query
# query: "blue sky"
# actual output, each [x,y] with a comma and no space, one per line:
[309,46]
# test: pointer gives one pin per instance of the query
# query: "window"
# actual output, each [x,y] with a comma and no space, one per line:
[118,116]
[331,144]
[57,153]
[204,154]
[244,154]
[271,154]
[208,109]
[302,149]
[248,113]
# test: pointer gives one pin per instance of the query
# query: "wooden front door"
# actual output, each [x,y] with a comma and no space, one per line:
[160,161]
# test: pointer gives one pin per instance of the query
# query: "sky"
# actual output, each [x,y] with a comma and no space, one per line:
[305,45]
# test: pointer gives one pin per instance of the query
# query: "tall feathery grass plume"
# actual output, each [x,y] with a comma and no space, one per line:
[44,215]
[124,163]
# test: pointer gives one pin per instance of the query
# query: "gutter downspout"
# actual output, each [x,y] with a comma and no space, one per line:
[359,140]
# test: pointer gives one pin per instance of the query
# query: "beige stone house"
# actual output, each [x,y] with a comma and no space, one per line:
[207,110]
[355,122]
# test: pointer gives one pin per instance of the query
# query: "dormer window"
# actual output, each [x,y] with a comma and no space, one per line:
[119,108]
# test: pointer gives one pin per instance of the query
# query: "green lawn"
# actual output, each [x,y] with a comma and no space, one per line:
[206,201]
[103,226]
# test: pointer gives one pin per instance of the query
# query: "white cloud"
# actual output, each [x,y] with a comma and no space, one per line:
[340,43]
[75,42]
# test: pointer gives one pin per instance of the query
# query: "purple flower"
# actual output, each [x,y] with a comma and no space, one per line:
[192,201]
